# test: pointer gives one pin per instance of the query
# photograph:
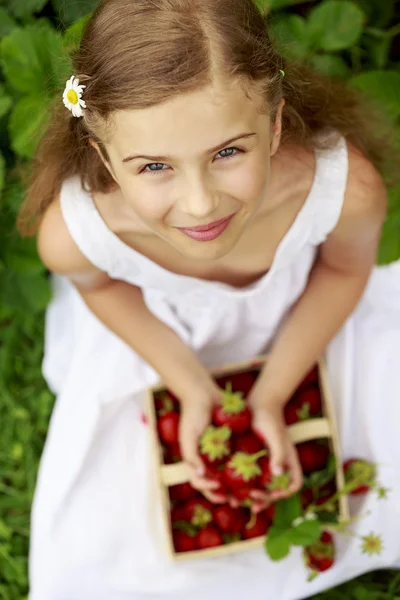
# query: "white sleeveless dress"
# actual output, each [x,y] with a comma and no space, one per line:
[95,521]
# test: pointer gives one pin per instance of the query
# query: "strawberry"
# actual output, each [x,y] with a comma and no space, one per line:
[184,542]
[172,454]
[216,474]
[243,470]
[272,482]
[240,382]
[304,405]
[233,412]
[166,402]
[270,513]
[215,445]
[327,491]
[182,492]
[199,512]
[209,537]
[249,443]
[312,378]
[313,456]
[228,519]
[320,556]
[168,427]
[256,527]
[178,513]
[306,498]
[243,495]
[358,469]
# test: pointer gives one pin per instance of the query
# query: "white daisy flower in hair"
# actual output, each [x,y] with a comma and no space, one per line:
[72,96]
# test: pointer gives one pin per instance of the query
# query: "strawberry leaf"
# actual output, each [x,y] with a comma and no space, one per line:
[305,533]
[277,544]
[319,478]
[286,511]
[327,517]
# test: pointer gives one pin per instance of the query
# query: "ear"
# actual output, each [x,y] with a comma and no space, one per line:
[276,131]
[103,160]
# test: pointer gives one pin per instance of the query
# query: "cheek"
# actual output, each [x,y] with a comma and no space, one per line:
[148,202]
[250,182]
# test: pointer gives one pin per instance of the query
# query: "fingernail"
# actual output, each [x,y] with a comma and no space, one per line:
[200,470]
[276,470]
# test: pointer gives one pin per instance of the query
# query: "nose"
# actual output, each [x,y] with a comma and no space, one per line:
[199,199]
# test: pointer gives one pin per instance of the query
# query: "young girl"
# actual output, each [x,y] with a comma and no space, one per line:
[200,203]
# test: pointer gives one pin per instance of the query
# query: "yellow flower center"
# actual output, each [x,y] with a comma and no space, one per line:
[72,97]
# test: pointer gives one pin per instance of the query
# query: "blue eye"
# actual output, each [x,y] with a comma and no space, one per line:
[154,168]
[229,152]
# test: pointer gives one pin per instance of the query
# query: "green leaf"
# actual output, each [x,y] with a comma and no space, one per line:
[2,172]
[5,101]
[378,12]
[305,533]
[286,511]
[291,35]
[24,8]
[328,64]
[27,123]
[24,293]
[7,23]
[72,11]
[383,89]
[277,543]
[389,250]
[74,33]
[335,25]
[276,4]
[29,58]
[327,517]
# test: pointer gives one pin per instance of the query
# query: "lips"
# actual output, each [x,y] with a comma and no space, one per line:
[206,233]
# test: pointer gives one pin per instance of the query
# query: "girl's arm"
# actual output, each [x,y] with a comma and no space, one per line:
[335,286]
[120,306]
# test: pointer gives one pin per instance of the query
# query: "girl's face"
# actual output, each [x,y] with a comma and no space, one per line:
[195,169]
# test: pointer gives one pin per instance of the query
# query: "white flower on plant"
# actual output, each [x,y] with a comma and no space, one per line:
[72,96]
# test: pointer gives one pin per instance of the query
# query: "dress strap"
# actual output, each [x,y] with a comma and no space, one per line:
[332,175]
[85,225]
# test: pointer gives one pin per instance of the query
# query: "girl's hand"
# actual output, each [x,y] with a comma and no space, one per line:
[269,423]
[195,418]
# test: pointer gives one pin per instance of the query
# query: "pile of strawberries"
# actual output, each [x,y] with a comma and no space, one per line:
[237,458]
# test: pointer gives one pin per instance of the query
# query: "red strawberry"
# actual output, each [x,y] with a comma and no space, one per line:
[182,492]
[215,445]
[270,513]
[209,537]
[313,456]
[183,542]
[306,498]
[168,428]
[327,491]
[178,513]
[166,402]
[216,474]
[362,471]
[233,412]
[320,556]
[256,527]
[272,482]
[172,454]
[228,519]
[240,382]
[243,495]
[199,512]
[312,378]
[305,404]
[243,470]
[249,443]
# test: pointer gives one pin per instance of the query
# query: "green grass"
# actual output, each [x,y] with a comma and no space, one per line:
[25,406]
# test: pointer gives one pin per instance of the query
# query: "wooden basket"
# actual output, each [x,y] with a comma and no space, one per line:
[169,475]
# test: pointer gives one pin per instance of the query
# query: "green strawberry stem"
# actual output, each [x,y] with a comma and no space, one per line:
[349,486]
[232,402]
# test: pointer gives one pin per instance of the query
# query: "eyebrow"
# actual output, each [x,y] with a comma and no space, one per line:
[166,158]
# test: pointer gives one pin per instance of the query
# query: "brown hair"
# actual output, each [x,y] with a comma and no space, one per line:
[138,54]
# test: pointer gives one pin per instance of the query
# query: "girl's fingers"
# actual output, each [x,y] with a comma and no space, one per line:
[202,484]
[214,498]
